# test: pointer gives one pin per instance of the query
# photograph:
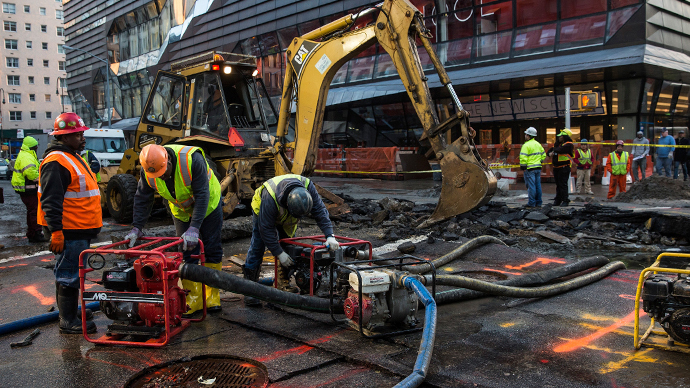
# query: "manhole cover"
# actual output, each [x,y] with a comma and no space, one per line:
[199,371]
[486,276]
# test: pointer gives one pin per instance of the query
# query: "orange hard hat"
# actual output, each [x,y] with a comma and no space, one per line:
[68,122]
[154,160]
[620,142]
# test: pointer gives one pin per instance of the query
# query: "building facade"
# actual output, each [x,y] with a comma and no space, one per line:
[510,62]
[32,71]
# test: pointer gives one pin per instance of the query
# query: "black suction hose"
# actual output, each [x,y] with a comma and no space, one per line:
[232,283]
[541,277]
[536,292]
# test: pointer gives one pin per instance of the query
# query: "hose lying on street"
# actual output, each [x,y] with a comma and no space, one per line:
[232,283]
[535,278]
[535,292]
[36,320]
[441,261]
[426,346]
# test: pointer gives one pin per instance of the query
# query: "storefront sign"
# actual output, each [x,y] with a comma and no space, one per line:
[523,108]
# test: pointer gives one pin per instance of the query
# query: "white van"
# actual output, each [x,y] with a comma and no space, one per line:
[108,145]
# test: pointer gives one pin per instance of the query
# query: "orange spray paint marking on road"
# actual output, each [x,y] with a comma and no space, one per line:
[503,272]
[584,341]
[539,260]
[12,266]
[296,350]
[45,300]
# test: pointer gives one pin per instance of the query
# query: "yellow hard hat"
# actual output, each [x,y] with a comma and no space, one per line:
[566,132]
[154,160]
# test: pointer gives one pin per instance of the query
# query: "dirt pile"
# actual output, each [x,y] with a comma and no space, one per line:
[656,187]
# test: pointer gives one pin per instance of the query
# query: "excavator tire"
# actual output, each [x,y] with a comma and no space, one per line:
[120,197]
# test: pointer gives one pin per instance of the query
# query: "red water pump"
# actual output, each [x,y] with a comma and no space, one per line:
[141,294]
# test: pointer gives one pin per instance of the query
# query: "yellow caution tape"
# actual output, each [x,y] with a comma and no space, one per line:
[636,145]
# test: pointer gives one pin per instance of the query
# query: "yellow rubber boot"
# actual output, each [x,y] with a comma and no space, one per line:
[194,301]
[213,294]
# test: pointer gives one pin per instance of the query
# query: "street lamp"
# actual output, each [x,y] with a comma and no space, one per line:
[107,78]
[62,101]
[2,138]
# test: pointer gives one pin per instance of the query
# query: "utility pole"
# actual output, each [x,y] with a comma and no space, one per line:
[2,138]
[62,101]
[567,107]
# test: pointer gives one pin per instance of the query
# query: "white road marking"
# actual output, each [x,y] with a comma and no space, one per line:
[43,253]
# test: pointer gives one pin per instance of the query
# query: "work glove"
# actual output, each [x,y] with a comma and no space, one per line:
[57,242]
[286,260]
[332,243]
[190,239]
[133,235]
[670,155]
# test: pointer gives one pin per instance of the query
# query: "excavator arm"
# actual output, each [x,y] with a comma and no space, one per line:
[314,59]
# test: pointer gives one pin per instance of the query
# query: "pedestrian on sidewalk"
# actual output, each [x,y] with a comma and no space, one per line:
[562,156]
[25,183]
[70,209]
[664,154]
[618,166]
[680,156]
[531,156]
[639,155]
[182,176]
[583,161]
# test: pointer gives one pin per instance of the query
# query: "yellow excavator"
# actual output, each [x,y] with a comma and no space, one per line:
[215,101]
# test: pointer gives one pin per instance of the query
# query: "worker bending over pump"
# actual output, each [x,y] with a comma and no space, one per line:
[70,209]
[277,207]
[181,175]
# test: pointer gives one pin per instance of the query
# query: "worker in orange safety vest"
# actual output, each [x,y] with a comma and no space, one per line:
[618,165]
[70,209]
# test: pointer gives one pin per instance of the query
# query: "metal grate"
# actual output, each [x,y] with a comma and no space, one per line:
[228,371]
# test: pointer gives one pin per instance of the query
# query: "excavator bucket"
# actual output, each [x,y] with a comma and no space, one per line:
[465,186]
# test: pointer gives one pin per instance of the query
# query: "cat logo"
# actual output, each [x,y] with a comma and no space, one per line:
[305,50]
[301,54]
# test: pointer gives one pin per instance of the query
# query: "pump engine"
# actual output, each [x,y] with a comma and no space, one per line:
[322,260]
[667,299]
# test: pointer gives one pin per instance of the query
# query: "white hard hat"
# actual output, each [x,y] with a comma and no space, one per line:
[531,131]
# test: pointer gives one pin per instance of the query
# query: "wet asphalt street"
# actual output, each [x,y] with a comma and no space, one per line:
[583,338]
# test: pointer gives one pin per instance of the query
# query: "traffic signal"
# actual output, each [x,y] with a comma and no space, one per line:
[588,101]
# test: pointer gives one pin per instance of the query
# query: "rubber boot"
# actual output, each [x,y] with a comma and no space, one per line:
[283,280]
[89,313]
[253,275]
[68,302]
[194,301]
[213,294]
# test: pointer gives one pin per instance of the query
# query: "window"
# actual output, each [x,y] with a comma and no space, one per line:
[63,84]
[13,80]
[47,97]
[61,65]
[15,98]
[29,62]
[12,62]
[60,31]
[11,44]
[46,63]
[49,115]
[44,45]
[536,11]
[58,14]
[10,26]
[44,28]
[572,8]
[9,8]
[42,11]
[60,49]
[31,80]
[32,98]
[29,44]
[32,114]
[15,115]
[46,80]
[27,9]
[27,26]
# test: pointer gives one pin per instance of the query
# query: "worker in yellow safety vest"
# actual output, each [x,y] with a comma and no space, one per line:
[277,207]
[583,161]
[25,183]
[93,163]
[562,155]
[531,156]
[618,165]
[182,176]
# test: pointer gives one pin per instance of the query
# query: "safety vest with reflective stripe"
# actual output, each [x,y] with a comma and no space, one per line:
[619,166]
[532,154]
[86,159]
[81,207]
[565,157]
[585,157]
[25,167]
[288,222]
[182,206]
